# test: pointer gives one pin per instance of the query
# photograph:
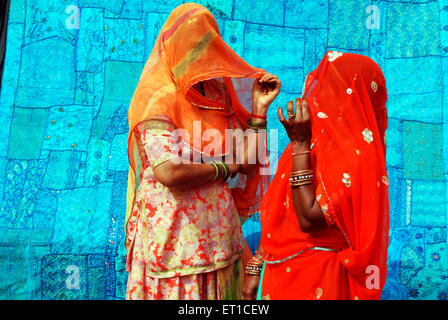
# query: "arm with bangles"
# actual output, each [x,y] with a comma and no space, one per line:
[186,175]
[298,128]
[264,92]
[253,274]
[175,174]
[306,207]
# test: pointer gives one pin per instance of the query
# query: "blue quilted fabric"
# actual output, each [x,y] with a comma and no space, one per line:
[71,68]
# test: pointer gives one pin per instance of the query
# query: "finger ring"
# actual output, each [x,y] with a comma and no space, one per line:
[291,115]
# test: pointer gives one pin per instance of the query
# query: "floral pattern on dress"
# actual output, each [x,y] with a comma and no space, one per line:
[175,232]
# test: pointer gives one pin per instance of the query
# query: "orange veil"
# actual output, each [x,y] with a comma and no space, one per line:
[189,49]
[347,100]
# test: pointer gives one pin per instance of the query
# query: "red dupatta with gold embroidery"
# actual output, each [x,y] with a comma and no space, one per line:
[347,100]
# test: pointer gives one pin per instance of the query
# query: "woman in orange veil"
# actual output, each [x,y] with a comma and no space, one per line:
[325,218]
[183,229]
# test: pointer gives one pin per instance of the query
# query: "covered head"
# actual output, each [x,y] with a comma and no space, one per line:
[347,98]
[189,49]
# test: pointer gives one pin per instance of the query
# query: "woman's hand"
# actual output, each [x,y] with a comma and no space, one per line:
[250,287]
[264,91]
[298,123]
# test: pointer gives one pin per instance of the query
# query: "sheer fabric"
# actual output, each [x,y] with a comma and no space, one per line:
[190,50]
[347,100]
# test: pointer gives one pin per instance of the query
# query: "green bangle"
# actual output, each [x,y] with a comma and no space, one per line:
[226,171]
[216,171]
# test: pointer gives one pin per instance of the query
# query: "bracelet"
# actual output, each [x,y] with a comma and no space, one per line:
[303,183]
[301,172]
[308,176]
[257,126]
[221,171]
[301,178]
[253,271]
[254,268]
[256,262]
[300,153]
[226,171]
[216,171]
[258,116]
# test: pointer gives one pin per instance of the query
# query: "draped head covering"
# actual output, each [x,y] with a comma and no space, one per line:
[347,101]
[188,50]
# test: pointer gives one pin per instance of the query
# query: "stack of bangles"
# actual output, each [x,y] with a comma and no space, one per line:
[255,265]
[256,126]
[222,171]
[301,178]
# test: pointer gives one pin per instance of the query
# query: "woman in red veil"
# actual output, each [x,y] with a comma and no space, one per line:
[325,216]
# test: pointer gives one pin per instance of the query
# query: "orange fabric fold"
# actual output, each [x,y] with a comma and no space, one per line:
[189,49]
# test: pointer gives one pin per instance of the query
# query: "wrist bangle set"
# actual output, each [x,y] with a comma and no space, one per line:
[301,178]
[221,171]
[256,126]
[255,264]
[254,267]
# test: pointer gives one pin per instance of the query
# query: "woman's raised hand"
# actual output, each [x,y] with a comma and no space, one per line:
[298,123]
[264,91]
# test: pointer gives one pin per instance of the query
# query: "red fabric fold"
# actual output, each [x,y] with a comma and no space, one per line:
[347,99]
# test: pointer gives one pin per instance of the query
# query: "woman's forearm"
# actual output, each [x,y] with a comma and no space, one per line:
[184,175]
[308,211]
[253,141]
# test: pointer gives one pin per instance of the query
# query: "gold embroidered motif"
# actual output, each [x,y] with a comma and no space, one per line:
[374,86]
[368,136]
[322,115]
[286,203]
[207,107]
[385,180]
[346,180]
[319,293]
[266,297]
[334,55]
[288,269]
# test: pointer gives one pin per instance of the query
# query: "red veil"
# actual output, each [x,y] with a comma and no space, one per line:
[188,50]
[347,100]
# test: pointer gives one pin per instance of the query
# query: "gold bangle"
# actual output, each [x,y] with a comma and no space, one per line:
[256,126]
[304,183]
[300,153]
[252,270]
[301,172]
[301,178]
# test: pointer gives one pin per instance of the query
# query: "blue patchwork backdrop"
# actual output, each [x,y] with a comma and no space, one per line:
[70,71]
